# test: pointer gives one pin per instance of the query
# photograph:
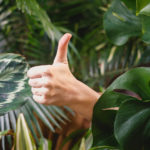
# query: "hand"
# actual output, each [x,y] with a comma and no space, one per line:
[55,85]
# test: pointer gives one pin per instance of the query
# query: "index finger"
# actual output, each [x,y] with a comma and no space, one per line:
[38,71]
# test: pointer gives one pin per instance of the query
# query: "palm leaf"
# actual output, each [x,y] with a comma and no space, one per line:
[32,8]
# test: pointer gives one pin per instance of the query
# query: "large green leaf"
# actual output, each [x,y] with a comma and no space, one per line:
[13,82]
[103,118]
[135,80]
[120,23]
[132,125]
[143,7]
[130,86]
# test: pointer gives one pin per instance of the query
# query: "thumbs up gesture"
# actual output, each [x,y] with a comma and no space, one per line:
[55,85]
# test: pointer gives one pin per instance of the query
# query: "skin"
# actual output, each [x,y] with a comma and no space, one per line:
[55,84]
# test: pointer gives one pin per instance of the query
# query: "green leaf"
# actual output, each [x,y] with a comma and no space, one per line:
[132,125]
[23,138]
[104,148]
[41,115]
[6,132]
[103,118]
[13,82]
[120,23]
[143,7]
[45,144]
[130,4]
[145,28]
[82,145]
[136,80]
[132,85]
[32,8]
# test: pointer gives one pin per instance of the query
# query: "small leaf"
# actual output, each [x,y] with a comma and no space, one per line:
[24,139]
[45,144]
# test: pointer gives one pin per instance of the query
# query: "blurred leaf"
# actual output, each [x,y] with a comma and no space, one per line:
[82,145]
[130,4]
[120,23]
[32,8]
[45,144]
[24,139]
[146,28]
[104,148]
[6,132]
[143,7]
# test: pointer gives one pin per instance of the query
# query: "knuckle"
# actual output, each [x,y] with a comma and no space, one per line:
[46,70]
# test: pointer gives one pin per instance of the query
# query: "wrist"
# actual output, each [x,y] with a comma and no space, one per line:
[84,100]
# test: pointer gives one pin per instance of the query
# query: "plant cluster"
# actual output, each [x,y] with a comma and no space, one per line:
[109,38]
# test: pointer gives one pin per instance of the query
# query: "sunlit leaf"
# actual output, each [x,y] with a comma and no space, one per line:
[23,138]
[143,7]
[45,144]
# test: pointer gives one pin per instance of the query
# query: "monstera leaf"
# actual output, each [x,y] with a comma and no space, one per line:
[120,23]
[121,116]
[130,4]
[13,82]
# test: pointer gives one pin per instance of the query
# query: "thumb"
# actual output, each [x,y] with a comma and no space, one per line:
[61,56]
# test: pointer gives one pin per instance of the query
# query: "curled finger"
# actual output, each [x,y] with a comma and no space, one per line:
[36,83]
[39,99]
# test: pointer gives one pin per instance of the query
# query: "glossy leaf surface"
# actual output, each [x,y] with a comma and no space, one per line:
[129,94]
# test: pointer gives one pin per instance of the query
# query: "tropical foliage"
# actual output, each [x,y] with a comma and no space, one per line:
[121,116]
[109,38]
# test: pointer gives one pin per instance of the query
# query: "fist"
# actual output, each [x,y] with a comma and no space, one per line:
[54,84]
